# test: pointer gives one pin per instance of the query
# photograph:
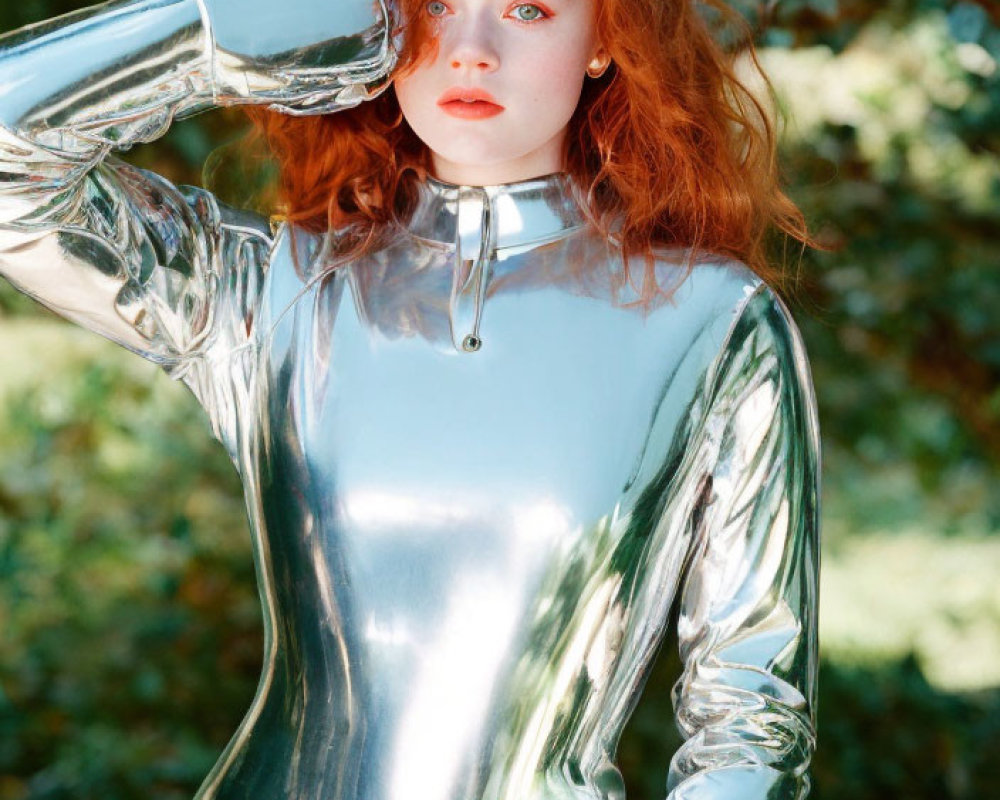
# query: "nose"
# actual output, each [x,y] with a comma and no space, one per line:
[471,47]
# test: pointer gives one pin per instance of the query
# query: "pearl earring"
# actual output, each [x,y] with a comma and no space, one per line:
[598,66]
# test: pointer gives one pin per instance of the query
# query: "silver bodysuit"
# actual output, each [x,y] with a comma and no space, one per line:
[477,477]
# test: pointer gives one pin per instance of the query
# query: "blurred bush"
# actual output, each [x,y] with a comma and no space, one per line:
[131,628]
[894,149]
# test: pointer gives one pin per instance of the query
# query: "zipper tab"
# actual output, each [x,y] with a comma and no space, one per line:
[475,245]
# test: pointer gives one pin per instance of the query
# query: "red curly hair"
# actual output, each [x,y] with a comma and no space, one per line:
[673,149]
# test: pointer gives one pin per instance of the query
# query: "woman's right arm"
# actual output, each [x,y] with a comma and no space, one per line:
[159,269]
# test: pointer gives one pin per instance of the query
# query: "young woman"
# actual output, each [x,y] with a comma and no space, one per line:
[505,383]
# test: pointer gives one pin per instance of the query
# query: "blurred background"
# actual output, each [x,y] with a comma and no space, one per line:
[131,629]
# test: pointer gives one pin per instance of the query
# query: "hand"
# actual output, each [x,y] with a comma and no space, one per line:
[299,56]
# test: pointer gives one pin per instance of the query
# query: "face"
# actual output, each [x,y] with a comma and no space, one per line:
[528,60]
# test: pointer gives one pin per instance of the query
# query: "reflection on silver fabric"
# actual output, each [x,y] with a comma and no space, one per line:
[466,554]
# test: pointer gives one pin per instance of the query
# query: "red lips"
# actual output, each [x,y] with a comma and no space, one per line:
[469,103]
[467,95]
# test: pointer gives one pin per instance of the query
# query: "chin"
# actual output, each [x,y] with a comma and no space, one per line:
[473,159]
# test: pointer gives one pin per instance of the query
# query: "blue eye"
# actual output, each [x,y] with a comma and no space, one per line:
[534,12]
[436,8]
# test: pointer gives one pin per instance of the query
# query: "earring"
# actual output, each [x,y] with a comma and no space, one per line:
[598,66]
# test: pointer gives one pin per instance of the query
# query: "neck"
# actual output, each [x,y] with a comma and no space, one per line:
[544,160]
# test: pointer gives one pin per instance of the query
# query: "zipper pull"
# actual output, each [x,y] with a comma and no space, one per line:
[474,248]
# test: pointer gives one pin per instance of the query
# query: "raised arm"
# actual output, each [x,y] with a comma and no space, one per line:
[747,629]
[120,250]
[165,271]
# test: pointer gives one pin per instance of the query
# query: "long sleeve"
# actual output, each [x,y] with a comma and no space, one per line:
[745,702]
[165,271]
[114,249]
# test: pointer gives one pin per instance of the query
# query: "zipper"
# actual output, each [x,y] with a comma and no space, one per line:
[475,247]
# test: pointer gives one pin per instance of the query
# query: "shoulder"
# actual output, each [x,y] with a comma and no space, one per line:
[246,222]
[723,291]
[754,323]
[708,296]
[756,348]
[298,256]
[720,310]
[707,284]
[718,285]
[296,263]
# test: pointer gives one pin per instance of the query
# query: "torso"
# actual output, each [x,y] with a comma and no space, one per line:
[467,558]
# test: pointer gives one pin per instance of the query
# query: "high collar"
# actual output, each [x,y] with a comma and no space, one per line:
[528,212]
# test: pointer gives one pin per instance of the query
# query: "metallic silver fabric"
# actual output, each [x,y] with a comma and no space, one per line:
[118,73]
[477,475]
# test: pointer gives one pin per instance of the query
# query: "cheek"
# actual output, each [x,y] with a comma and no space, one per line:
[415,99]
[408,90]
[551,79]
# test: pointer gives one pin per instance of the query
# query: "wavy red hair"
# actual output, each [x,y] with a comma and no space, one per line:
[673,149]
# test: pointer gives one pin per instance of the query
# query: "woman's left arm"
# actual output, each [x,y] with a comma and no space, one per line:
[746,700]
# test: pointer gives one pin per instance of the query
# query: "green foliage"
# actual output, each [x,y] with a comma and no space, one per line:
[131,628]
[904,178]
[886,732]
